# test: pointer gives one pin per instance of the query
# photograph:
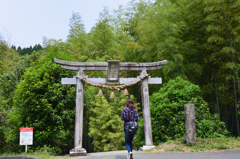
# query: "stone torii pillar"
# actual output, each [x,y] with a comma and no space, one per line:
[79,112]
[112,67]
[146,114]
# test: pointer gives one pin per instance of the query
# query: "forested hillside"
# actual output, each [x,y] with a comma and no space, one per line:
[200,40]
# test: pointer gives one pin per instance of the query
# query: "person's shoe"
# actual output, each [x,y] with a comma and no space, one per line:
[128,156]
[131,155]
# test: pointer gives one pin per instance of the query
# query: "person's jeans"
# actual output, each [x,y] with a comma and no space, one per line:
[128,141]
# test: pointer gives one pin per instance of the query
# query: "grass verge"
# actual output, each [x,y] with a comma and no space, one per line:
[210,144]
[43,155]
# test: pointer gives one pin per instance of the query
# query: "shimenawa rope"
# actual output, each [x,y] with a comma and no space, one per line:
[112,87]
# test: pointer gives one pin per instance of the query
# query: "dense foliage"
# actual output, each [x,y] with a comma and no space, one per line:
[200,40]
[167,112]
[42,102]
[106,124]
[27,50]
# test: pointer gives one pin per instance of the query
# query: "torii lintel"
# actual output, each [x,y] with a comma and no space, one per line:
[103,66]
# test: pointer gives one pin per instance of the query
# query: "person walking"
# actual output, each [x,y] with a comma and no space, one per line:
[129,113]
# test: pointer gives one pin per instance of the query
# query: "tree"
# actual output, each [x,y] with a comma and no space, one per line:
[8,85]
[13,47]
[103,40]
[49,104]
[27,50]
[106,126]
[9,80]
[7,57]
[222,40]
[3,131]
[77,39]
[19,50]
[37,47]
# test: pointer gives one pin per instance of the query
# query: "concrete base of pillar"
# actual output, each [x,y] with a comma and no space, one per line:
[146,148]
[78,152]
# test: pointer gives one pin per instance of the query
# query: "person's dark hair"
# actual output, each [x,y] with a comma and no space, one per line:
[130,103]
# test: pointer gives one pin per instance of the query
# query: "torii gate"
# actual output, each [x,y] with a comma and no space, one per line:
[112,67]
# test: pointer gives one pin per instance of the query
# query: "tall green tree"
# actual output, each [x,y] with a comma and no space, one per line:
[157,29]
[106,126]
[103,39]
[42,102]
[8,85]
[8,57]
[222,40]
[9,80]
[78,39]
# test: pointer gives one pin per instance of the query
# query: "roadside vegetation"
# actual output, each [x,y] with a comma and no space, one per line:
[208,144]
[42,155]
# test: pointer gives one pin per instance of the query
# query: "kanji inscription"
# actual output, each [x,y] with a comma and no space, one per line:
[113,70]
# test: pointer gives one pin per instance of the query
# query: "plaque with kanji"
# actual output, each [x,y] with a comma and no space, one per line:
[113,70]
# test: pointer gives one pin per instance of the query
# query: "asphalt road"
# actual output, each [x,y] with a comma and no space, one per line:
[227,154]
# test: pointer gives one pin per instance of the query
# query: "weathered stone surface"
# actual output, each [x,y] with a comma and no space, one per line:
[146,111]
[190,123]
[78,152]
[79,111]
[102,66]
[146,148]
[113,70]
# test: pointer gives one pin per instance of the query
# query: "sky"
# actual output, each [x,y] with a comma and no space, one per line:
[26,22]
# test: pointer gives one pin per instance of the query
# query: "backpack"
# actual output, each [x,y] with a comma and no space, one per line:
[132,126]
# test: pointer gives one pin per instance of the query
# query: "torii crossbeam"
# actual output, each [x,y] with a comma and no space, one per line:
[112,67]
